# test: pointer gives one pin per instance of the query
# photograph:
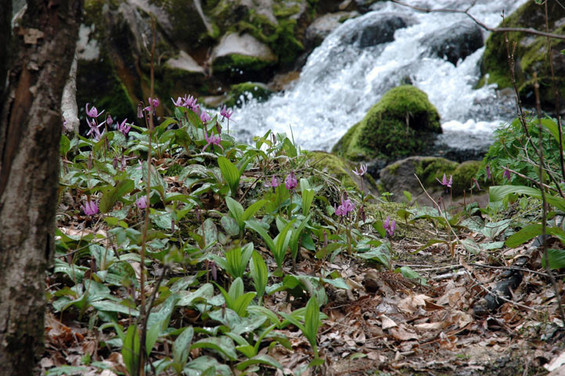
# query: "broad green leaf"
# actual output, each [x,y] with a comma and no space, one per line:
[130,350]
[230,225]
[64,145]
[236,210]
[109,306]
[206,366]
[205,292]
[499,192]
[410,273]
[312,323]
[296,234]
[181,347]
[251,210]
[240,304]
[112,194]
[525,234]
[259,273]
[151,337]
[224,345]
[259,359]
[552,127]
[556,258]
[281,243]
[230,173]
[256,226]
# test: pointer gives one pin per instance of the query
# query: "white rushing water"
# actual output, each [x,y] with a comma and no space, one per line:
[341,82]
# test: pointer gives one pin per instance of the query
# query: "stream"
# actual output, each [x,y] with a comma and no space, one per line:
[342,79]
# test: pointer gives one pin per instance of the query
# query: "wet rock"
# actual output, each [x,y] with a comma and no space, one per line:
[456,42]
[530,54]
[323,26]
[401,124]
[376,30]
[241,57]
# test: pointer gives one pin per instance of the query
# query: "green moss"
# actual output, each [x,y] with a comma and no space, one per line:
[243,62]
[432,168]
[530,53]
[282,11]
[399,125]
[463,176]
[237,93]
[334,166]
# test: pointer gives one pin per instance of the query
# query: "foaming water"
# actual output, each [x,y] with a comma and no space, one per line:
[341,81]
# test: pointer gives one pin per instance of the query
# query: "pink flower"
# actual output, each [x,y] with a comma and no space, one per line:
[153,103]
[345,207]
[90,208]
[204,117]
[141,202]
[123,127]
[212,140]
[445,182]
[274,183]
[93,112]
[290,182]
[389,226]
[361,171]
[226,112]
[506,173]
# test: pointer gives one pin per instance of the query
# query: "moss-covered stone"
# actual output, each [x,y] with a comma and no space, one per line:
[530,54]
[463,176]
[333,165]
[401,124]
[239,93]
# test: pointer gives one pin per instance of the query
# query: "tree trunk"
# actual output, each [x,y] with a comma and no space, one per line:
[30,129]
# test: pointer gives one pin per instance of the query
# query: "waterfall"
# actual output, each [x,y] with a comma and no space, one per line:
[342,79]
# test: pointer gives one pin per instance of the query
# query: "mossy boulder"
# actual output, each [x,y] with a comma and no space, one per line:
[241,57]
[463,176]
[241,93]
[399,125]
[400,176]
[335,166]
[531,54]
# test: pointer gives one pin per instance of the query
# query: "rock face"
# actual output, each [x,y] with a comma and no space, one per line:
[241,56]
[530,55]
[376,30]
[401,124]
[456,42]
[399,176]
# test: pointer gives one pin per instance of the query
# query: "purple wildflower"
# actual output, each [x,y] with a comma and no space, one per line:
[274,183]
[489,176]
[190,102]
[211,140]
[179,102]
[361,171]
[123,127]
[204,117]
[90,208]
[445,182]
[93,112]
[153,104]
[109,120]
[95,129]
[476,184]
[140,110]
[141,202]
[345,207]
[290,182]
[226,112]
[506,173]
[389,226]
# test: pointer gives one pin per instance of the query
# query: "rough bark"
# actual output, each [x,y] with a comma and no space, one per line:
[5,17]
[30,129]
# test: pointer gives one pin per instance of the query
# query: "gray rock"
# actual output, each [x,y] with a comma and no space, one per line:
[456,42]
[244,44]
[323,26]
[376,30]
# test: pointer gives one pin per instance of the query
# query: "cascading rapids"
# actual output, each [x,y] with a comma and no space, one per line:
[343,79]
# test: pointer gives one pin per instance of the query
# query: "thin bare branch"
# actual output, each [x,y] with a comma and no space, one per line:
[528,30]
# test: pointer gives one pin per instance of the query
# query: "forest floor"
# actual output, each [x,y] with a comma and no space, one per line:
[387,324]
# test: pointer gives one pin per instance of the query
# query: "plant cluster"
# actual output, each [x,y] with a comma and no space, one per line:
[174,239]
